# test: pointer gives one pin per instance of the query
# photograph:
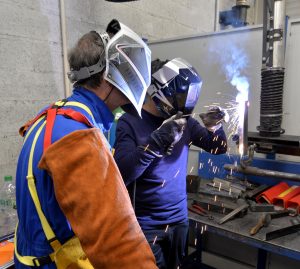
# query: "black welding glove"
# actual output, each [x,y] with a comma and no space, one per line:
[169,133]
[214,117]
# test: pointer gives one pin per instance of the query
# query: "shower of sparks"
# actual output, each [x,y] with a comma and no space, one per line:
[195,241]
[220,186]
[167,228]
[215,199]
[163,183]
[190,143]
[176,173]
[202,229]
[205,227]
[216,150]
[146,147]
[191,169]
[154,240]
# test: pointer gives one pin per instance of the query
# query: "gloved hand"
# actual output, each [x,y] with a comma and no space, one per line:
[214,118]
[169,133]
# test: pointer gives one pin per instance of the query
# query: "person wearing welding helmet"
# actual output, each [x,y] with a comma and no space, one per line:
[152,153]
[73,207]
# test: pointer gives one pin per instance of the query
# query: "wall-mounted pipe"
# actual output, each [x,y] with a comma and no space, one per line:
[249,170]
[67,86]
[279,40]
[216,21]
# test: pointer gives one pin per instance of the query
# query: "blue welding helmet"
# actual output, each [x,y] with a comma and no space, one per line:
[175,87]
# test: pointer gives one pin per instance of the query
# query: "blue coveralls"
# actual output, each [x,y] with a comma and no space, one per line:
[31,240]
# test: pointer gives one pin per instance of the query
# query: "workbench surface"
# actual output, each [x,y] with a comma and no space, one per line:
[239,228]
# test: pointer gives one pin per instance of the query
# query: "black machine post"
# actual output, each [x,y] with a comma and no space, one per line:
[272,72]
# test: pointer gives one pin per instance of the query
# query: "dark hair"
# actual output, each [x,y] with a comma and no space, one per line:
[87,52]
[156,65]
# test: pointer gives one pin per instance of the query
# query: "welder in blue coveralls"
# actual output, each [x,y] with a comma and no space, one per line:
[152,153]
[73,207]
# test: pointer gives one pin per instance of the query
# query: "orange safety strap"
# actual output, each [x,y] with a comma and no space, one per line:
[69,113]
[51,115]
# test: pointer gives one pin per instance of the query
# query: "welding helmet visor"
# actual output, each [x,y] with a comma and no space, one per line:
[175,87]
[128,61]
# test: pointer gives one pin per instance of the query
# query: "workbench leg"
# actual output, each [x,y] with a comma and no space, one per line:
[199,246]
[194,260]
[261,259]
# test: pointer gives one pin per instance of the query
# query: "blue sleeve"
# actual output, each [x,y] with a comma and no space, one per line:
[131,159]
[215,143]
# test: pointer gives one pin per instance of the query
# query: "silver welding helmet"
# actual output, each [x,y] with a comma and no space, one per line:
[128,65]
[175,87]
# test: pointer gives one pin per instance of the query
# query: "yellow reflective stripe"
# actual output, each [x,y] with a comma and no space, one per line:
[27,260]
[30,161]
[33,192]
[32,127]
[72,103]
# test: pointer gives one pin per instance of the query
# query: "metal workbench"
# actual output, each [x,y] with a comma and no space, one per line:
[238,229]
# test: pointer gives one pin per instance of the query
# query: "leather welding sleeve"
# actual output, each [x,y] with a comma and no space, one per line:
[94,199]
[131,158]
[212,142]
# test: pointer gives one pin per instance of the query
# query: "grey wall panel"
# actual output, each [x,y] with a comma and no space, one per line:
[31,73]
[210,53]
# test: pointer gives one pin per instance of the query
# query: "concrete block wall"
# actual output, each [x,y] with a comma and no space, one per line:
[153,20]
[30,71]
